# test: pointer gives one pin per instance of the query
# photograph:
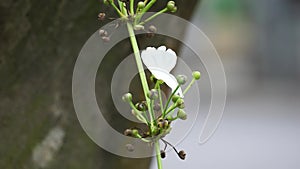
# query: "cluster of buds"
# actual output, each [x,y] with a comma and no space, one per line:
[158,116]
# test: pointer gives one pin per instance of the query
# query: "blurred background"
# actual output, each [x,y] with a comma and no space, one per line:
[258,43]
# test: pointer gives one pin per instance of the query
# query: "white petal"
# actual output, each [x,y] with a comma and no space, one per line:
[168,78]
[159,58]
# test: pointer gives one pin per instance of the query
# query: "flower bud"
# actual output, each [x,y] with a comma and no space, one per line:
[181,154]
[102,32]
[174,9]
[127,97]
[141,106]
[152,94]
[141,5]
[101,16]
[152,29]
[196,75]
[135,132]
[162,154]
[105,38]
[175,98]
[181,79]
[105,2]
[170,5]
[180,103]
[128,132]
[181,114]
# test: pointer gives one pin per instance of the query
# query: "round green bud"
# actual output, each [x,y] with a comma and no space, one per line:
[175,98]
[181,79]
[105,2]
[127,97]
[170,118]
[152,94]
[180,103]
[170,5]
[135,132]
[196,75]
[174,9]
[141,5]
[181,114]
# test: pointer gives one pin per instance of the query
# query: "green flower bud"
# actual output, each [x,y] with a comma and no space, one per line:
[174,9]
[196,75]
[175,98]
[181,79]
[127,97]
[105,2]
[141,5]
[135,132]
[170,5]
[170,118]
[180,103]
[152,94]
[181,114]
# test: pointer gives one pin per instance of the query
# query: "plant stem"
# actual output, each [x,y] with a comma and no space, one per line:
[189,86]
[169,99]
[154,16]
[158,158]
[131,7]
[139,63]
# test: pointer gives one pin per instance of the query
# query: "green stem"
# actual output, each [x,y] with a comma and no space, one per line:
[159,95]
[189,86]
[169,99]
[132,7]
[147,7]
[139,63]
[154,16]
[116,8]
[158,157]
[139,115]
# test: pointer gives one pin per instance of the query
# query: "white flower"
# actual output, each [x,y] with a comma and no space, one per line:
[160,62]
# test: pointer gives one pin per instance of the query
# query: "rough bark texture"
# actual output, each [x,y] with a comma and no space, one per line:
[40,41]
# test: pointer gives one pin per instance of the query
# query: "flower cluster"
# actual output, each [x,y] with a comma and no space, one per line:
[158,116]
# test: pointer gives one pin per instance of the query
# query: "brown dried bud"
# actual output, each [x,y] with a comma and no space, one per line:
[181,154]
[128,132]
[101,16]
[162,154]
